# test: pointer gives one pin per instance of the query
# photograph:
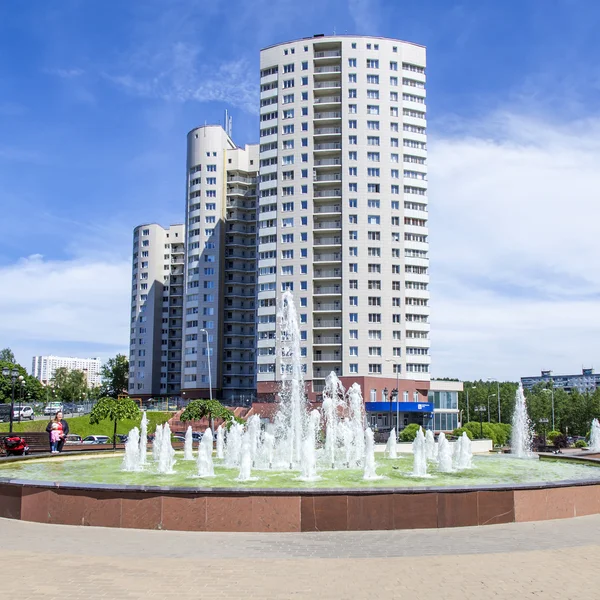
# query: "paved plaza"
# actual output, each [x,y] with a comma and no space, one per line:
[513,561]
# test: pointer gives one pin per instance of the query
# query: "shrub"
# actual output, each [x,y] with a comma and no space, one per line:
[409,433]
[580,444]
[458,432]
[552,434]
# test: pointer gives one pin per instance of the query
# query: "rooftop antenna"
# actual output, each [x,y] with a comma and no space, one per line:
[228,123]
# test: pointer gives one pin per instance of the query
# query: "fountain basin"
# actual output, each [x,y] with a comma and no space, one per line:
[315,506]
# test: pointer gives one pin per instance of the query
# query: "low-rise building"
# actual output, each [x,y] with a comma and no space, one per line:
[586,381]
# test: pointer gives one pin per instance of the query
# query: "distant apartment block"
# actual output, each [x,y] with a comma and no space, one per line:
[44,367]
[157,292]
[586,381]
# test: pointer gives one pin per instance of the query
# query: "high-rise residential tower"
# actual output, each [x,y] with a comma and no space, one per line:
[343,212]
[156,310]
[220,290]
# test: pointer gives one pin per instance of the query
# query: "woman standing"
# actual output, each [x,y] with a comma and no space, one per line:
[63,429]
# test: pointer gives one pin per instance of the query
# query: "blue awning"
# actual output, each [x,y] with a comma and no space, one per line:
[419,407]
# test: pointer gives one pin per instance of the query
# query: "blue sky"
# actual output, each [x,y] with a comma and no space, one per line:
[96,98]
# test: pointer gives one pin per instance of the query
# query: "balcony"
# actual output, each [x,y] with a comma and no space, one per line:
[327,323]
[321,85]
[329,209]
[241,179]
[333,257]
[327,356]
[327,100]
[328,131]
[327,274]
[328,54]
[328,146]
[327,340]
[327,225]
[329,69]
[328,193]
[238,191]
[327,162]
[323,290]
[327,115]
[239,228]
[327,178]
[243,204]
[327,306]
[327,241]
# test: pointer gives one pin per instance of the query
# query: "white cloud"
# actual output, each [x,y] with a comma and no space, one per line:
[514,247]
[50,304]
[65,73]
[173,76]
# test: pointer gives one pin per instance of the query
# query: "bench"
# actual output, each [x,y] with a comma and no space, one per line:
[38,441]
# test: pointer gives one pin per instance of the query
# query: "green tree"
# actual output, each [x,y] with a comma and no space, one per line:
[211,409]
[7,355]
[409,433]
[114,410]
[69,386]
[115,376]
[33,390]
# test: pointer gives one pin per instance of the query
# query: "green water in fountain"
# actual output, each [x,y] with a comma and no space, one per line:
[396,473]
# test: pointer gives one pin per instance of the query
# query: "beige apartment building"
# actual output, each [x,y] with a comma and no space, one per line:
[343,211]
[157,292]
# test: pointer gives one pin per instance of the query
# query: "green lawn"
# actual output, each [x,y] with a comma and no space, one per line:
[81,425]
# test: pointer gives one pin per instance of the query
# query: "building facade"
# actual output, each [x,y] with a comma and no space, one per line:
[343,219]
[220,280]
[586,381]
[44,367]
[157,291]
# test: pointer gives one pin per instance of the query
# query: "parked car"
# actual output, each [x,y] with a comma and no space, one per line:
[80,408]
[72,438]
[52,408]
[121,438]
[177,438]
[96,439]
[196,436]
[26,413]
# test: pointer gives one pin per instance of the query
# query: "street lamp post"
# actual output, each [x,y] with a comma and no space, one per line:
[385,395]
[498,393]
[480,410]
[397,367]
[552,392]
[21,398]
[488,408]
[14,375]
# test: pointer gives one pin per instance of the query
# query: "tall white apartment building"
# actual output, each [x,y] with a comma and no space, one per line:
[44,367]
[343,212]
[220,285]
[157,291]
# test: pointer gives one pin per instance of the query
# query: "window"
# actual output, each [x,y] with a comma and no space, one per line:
[374,368]
[373,79]
[373,219]
[353,334]
[372,172]
[373,141]
[372,63]
[373,94]
[374,284]
[373,125]
[353,155]
[374,268]
[373,203]
[352,140]
[353,317]
[353,171]
[288,68]
[351,93]
[352,124]
[352,109]
[288,83]
[352,78]
[353,368]
[352,62]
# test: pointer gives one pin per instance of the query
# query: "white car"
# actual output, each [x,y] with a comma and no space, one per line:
[26,413]
[52,408]
[96,439]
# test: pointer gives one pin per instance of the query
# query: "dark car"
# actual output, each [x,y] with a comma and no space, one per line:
[121,438]
[4,412]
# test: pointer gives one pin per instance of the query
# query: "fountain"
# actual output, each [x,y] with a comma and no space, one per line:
[444,454]
[595,436]
[390,447]
[431,448]
[369,472]
[220,442]
[204,461]
[522,435]
[253,430]
[143,439]
[246,460]
[463,456]
[419,455]
[166,456]
[156,443]
[233,445]
[309,450]
[333,405]
[188,445]
[131,460]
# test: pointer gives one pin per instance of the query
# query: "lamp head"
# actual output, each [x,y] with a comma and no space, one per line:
[5,371]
